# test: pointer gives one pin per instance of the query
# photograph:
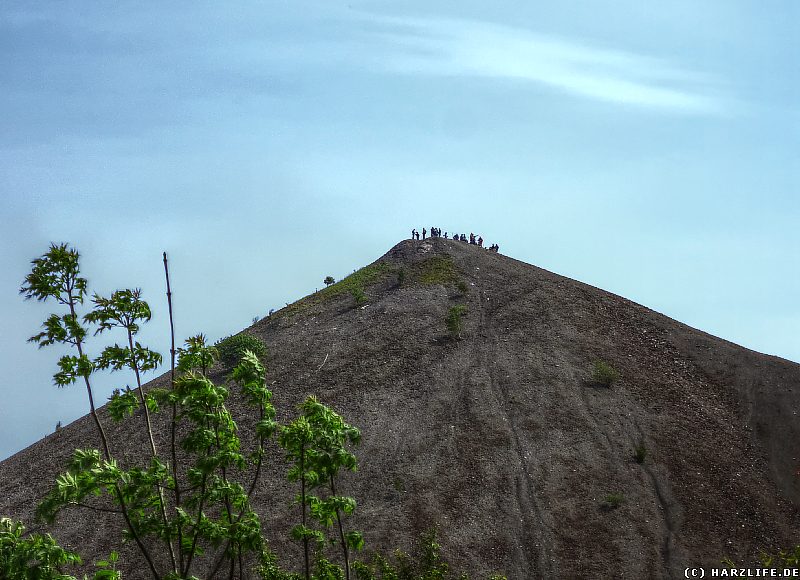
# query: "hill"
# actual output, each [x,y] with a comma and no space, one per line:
[502,438]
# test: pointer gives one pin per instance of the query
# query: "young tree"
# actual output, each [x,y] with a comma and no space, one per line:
[316,445]
[329,280]
[454,320]
[56,275]
[296,438]
[330,454]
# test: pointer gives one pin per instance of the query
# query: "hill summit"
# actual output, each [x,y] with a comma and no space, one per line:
[502,437]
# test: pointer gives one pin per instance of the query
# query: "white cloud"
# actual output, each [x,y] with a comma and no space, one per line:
[467,48]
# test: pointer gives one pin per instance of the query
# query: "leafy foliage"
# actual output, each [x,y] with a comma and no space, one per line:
[55,275]
[232,348]
[786,559]
[783,560]
[604,374]
[329,281]
[640,453]
[316,446]
[32,556]
[426,563]
[214,510]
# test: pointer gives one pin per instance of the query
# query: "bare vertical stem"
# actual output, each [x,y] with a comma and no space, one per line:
[173,422]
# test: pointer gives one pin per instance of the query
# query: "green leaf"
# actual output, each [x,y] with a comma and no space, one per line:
[354,540]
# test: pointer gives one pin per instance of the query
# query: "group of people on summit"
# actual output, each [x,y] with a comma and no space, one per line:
[437,233]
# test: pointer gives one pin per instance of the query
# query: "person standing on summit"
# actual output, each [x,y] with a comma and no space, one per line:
[424,231]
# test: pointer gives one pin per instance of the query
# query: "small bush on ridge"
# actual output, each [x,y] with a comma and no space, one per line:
[232,348]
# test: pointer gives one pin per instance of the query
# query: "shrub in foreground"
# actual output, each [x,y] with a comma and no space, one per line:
[31,556]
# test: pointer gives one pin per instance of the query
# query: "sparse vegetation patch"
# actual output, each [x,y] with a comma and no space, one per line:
[604,374]
[358,295]
[360,279]
[612,501]
[438,270]
[425,563]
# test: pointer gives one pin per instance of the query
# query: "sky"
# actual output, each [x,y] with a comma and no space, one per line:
[650,149]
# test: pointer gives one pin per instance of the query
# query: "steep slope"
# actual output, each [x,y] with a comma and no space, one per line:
[501,438]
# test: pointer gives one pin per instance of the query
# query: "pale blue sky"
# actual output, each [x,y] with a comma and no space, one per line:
[650,149]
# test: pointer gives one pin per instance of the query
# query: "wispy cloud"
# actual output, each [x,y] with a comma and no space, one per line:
[467,48]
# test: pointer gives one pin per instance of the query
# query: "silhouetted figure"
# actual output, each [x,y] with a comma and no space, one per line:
[463,237]
[445,235]
[480,242]
[424,231]
[472,238]
[417,234]
[413,234]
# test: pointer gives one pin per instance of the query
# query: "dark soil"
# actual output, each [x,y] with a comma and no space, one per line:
[501,438]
